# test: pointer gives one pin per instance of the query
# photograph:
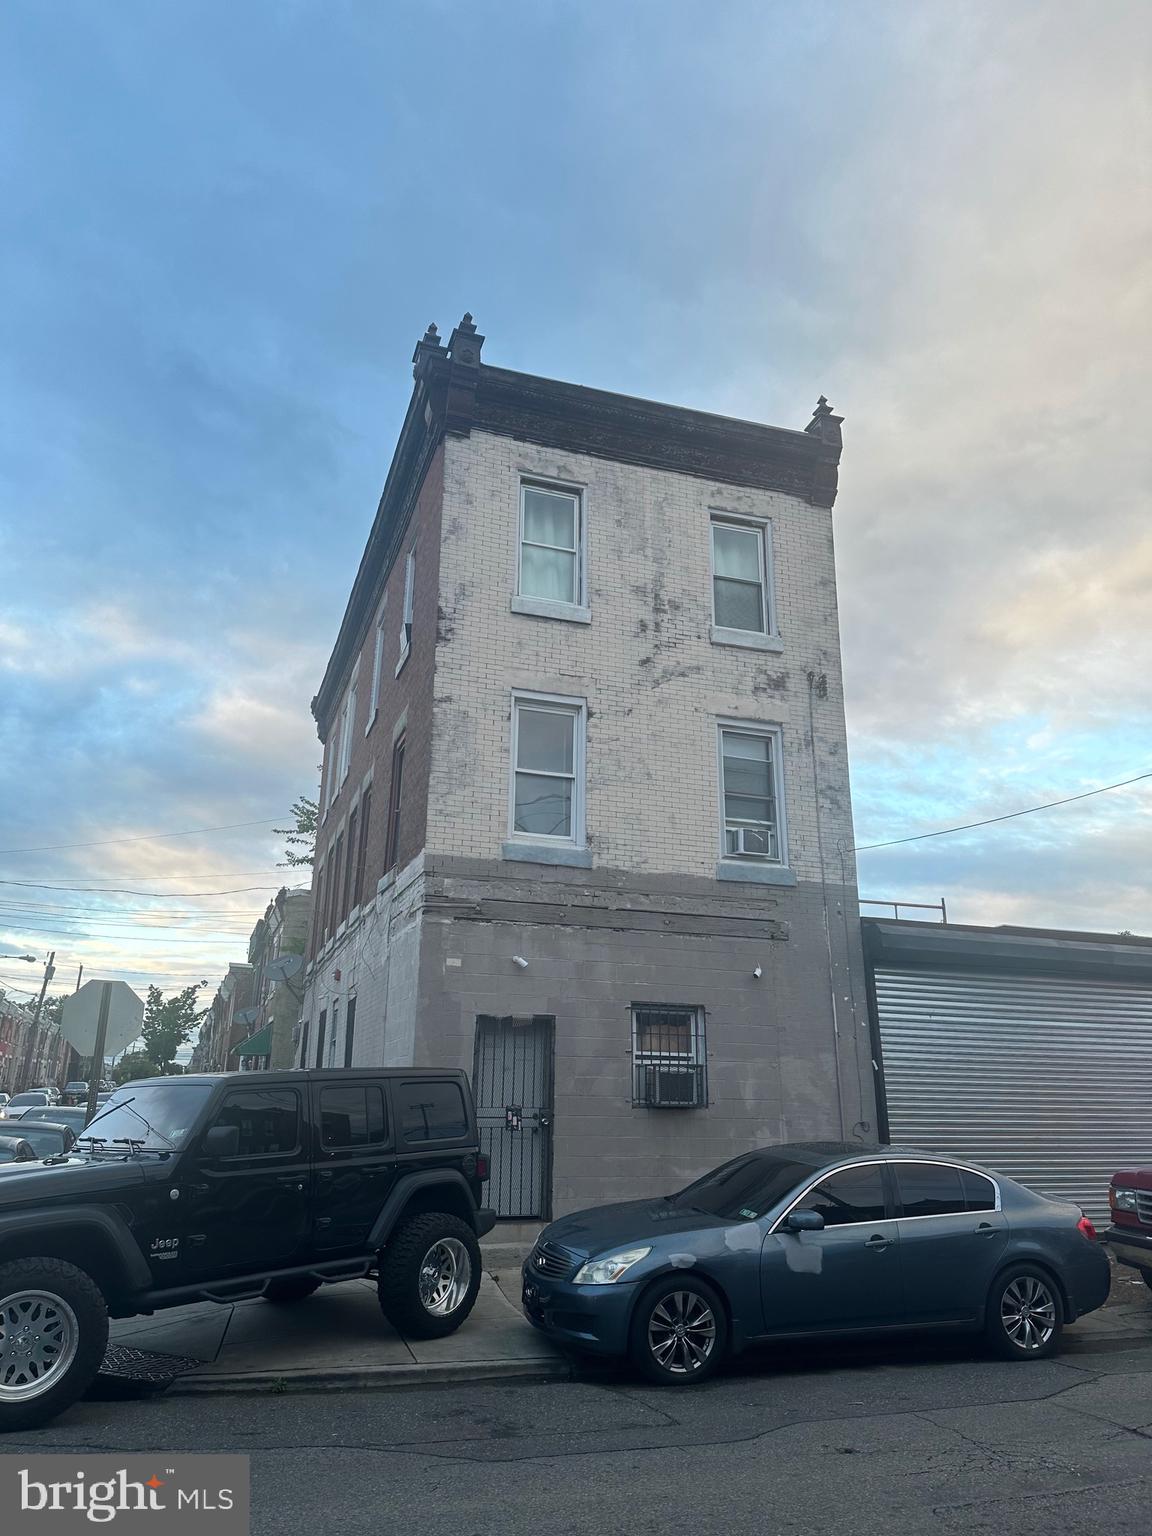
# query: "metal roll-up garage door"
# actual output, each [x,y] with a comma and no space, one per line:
[1047,1079]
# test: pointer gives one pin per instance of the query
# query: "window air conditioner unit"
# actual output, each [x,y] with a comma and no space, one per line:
[671,1087]
[753,842]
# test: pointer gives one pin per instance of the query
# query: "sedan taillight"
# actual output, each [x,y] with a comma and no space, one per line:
[1087,1229]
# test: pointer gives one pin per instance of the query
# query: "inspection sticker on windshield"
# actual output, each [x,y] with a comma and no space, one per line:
[747,1214]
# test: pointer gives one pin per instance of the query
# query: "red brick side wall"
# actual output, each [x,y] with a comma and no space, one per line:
[408,696]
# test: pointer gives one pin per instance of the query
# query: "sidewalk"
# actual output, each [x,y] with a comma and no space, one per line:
[336,1338]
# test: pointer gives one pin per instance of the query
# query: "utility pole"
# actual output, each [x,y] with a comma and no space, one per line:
[49,972]
[101,1041]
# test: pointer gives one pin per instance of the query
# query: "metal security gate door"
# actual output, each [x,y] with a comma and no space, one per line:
[1045,1078]
[513,1085]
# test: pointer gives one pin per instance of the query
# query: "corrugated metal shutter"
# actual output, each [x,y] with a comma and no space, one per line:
[1046,1079]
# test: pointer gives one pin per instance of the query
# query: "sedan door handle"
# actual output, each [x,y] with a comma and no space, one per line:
[878,1242]
[985,1229]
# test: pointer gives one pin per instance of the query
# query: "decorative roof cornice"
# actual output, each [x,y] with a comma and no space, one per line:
[455,392]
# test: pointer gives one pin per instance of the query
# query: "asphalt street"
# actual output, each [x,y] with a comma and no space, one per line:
[924,1437]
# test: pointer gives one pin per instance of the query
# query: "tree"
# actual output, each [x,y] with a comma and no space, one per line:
[168,1024]
[133,1066]
[301,836]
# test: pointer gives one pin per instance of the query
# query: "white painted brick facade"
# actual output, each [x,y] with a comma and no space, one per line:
[654,681]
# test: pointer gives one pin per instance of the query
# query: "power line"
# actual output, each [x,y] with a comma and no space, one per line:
[124,939]
[117,915]
[241,890]
[188,874]
[1008,816]
[150,837]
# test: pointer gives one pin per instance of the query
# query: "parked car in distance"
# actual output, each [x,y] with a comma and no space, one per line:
[76,1092]
[284,1181]
[810,1239]
[14,1149]
[35,1098]
[1130,1235]
[58,1114]
[47,1138]
[4,1097]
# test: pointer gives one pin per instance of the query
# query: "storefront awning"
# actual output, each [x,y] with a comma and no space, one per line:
[259,1044]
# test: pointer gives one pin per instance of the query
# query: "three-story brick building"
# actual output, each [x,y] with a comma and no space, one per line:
[585,818]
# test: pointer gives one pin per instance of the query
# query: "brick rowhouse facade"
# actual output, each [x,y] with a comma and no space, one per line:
[651,959]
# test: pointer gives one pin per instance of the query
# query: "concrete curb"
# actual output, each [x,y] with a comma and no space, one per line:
[370,1378]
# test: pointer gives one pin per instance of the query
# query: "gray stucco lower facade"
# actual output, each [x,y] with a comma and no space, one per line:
[436,953]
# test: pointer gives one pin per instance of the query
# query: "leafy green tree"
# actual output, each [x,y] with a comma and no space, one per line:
[169,1023]
[133,1066]
[301,838]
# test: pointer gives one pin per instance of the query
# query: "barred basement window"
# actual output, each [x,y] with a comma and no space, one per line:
[669,1057]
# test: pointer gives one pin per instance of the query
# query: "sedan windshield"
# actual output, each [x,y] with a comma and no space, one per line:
[44,1140]
[745,1188]
[26,1100]
[159,1116]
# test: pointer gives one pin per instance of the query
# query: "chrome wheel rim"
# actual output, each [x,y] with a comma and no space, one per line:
[682,1332]
[445,1275]
[39,1337]
[1028,1312]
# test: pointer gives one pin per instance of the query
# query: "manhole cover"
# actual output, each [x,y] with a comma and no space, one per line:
[145,1366]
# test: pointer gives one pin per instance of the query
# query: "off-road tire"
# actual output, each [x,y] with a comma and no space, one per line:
[84,1301]
[405,1269]
[697,1308]
[1024,1286]
[293,1288]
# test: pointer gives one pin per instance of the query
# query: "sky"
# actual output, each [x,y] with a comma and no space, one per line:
[223,228]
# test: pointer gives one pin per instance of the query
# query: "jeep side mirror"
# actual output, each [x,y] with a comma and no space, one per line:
[805,1221]
[224,1141]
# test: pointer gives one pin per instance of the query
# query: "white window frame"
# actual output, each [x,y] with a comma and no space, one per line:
[347,727]
[406,614]
[768,638]
[697,1053]
[377,665]
[775,734]
[547,607]
[333,748]
[558,703]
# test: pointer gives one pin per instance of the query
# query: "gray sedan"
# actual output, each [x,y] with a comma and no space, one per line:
[815,1238]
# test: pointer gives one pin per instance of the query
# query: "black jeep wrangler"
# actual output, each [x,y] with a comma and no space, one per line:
[222,1187]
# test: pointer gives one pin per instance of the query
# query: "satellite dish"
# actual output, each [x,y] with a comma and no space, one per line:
[284,967]
[246,1015]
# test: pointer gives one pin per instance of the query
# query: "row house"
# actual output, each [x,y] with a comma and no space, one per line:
[49,1054]
[585,827]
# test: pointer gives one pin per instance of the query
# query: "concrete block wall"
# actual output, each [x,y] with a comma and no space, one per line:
[777,1067]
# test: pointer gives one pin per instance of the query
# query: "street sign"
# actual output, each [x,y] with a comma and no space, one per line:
[80,1018]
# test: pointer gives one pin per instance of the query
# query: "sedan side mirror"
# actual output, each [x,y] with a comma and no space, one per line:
[804,1221]
[222,1141]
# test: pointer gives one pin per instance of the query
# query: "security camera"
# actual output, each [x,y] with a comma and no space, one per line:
[520,961]
[757,973]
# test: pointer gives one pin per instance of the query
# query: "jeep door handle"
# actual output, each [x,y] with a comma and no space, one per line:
[878,1242]
[291,1183]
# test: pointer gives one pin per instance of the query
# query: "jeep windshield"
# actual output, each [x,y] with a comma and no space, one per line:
[159,1117]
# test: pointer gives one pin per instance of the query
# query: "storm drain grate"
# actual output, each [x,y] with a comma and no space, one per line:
[145,1366]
